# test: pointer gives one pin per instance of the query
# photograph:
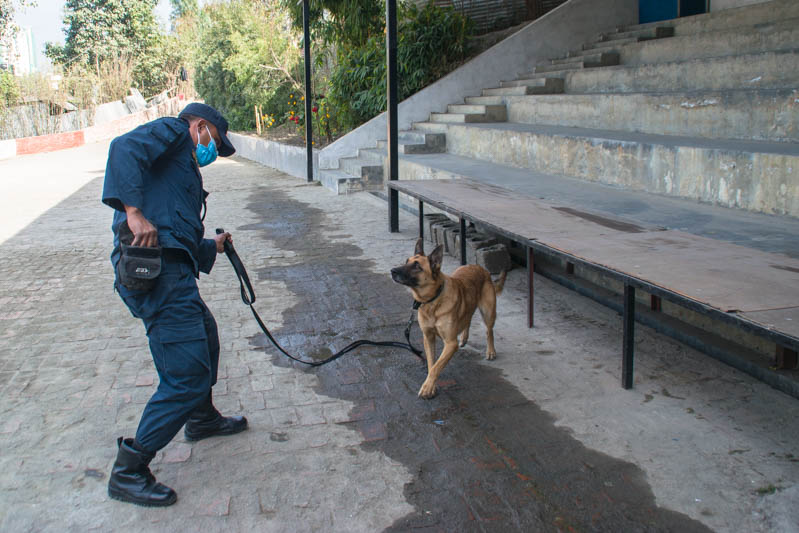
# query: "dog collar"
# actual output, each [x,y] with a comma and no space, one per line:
[417,304]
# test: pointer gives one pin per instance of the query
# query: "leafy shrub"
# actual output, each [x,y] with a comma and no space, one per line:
[431,42]
[9,90]
[246,57]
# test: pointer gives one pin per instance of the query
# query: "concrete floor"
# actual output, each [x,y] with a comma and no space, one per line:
[541,439]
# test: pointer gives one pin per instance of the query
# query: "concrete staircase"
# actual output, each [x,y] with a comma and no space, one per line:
[703,108]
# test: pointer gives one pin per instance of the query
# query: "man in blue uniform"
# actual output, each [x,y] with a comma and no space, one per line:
[153,182]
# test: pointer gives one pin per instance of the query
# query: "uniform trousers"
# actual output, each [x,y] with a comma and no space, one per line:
[184,343]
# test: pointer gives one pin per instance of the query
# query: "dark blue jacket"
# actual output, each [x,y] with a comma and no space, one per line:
[153,168]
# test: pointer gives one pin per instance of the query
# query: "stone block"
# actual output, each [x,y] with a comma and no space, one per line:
[429,220]
[135,101]
[440,233]
[494,258]
[474,241]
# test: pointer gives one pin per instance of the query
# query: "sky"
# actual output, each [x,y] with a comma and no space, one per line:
[46,21]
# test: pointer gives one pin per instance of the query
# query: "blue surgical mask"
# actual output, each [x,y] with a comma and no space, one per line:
[206,154]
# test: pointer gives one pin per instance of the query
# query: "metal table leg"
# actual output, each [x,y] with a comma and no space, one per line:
[421,219]
[628,348]
[463,241]
[530,286]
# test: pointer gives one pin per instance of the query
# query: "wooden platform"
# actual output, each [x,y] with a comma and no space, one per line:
[755,290]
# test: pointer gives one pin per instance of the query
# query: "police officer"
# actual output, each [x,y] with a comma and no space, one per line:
[153,182]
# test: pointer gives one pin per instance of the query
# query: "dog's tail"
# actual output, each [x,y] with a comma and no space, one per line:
[500,283]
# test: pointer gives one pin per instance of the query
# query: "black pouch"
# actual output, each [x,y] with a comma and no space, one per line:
[139,266]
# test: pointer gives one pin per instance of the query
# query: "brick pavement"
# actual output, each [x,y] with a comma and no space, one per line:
[542,439]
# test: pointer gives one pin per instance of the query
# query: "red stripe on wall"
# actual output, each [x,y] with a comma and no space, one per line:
[49,143]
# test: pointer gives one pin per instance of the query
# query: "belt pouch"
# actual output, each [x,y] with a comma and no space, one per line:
[139,267]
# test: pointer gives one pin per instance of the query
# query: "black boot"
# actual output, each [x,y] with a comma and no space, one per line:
[205,421]
[131,479]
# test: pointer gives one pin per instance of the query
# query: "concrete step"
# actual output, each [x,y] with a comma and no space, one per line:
[542,85]
[361,167]
[373,156]
[778,36]
[590,59]
[430,127]
[488,100]
[770,70]
[607,59]
[642,34]
[462,113]
[488,113]
[435,143]
[726,19]
[758,176]
[759,114]
[603,45]
[340,182]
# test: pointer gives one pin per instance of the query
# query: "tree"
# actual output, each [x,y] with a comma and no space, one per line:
[345,23]
[7,12]
[110,31]
[246,56]
[97,30]
[183,8]
[9,90]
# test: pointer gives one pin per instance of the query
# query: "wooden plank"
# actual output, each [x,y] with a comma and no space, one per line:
[717,273]
[515,213]
[785,320]
[722,275]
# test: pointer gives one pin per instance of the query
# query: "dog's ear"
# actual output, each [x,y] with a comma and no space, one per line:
[436,257]
[419,247]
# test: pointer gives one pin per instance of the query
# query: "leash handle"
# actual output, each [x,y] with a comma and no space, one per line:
[248,295]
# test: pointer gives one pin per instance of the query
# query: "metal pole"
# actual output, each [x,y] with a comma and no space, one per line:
[391,95]
[421,219]
[308,89]
[628,343]
[530,287]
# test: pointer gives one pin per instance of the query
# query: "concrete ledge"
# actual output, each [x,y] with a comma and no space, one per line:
[569,26]
[71,139]
[283,157]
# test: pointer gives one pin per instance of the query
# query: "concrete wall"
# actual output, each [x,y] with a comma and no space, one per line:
[110,111]
[285,158]
[59,141]
[569,26]
[718,5]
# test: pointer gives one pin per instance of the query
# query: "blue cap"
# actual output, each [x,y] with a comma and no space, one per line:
[214,117]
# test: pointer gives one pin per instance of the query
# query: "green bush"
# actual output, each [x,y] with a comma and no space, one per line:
[431,42]
[246,57]
[9,90]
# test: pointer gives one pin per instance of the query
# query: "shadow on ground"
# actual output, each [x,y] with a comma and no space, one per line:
[483,457]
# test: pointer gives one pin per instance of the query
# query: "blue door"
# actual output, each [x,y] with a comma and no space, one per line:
[654,10]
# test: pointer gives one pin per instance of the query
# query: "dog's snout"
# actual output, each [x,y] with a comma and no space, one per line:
[400,275]
[396,274]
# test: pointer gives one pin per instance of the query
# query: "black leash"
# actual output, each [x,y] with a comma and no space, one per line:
[248,297]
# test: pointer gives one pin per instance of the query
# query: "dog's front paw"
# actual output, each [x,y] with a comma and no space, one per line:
[491,355]
[428,389]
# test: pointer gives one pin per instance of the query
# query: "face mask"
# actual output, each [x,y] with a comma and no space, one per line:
[206,154]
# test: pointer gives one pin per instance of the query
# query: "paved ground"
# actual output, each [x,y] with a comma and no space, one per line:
[541,439]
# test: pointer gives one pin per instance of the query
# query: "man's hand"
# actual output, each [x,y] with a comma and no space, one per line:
[220,241]
[144,233]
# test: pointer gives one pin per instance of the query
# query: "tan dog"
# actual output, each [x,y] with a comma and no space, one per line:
[447,306]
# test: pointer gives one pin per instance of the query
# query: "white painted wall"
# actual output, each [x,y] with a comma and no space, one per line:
[283,157]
